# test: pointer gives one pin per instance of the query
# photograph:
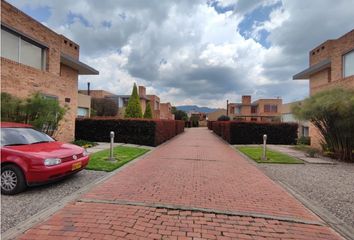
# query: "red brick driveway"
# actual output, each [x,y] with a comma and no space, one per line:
[193,187]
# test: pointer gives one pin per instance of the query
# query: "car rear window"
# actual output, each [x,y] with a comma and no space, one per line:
[22,136]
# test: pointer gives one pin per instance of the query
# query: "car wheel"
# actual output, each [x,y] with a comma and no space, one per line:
[12,180]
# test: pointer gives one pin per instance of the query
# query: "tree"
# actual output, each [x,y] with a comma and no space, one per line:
[43,113]
[179,114]
[332,113]
[104,107]
[224,118]
[133,109]
[148,112]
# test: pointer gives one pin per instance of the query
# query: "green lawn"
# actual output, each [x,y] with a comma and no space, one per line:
[255,153]
[99,160]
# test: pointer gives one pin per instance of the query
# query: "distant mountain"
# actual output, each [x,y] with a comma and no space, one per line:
[196,108]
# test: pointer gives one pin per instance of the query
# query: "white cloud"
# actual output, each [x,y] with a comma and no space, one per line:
[188,53]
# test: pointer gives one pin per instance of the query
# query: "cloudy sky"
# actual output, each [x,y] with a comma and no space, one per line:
[196,51]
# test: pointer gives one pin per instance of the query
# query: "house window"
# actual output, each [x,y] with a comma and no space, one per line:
[82,112]
[21,50]
[232,110]
[51,97]
[238,110]
[348,64]
[253,109]
[157,105]
[270,108]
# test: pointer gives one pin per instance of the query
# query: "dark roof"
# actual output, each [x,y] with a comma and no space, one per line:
[81,67]
[305,74]
[128,96]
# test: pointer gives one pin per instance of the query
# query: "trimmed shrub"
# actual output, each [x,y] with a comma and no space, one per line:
[236,132]
[224,118]
[135,131]
[210,125]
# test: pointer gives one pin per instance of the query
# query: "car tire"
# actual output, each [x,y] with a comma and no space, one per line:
[12,180]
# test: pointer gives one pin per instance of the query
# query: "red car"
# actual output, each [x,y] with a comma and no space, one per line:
[30,157]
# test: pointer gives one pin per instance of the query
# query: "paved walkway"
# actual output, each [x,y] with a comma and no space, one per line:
[193,187]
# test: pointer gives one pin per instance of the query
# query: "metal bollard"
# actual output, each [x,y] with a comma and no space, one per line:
[111,157]
[264,154]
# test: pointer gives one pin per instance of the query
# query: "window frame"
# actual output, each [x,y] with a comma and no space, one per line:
[343,63]
[22,37]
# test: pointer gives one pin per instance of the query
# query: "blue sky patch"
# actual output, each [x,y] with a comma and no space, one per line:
[218,8]
[41,14]
[72,17]
[259,15]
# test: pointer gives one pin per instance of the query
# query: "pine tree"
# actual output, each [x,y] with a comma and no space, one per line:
[148,112]
[133,109]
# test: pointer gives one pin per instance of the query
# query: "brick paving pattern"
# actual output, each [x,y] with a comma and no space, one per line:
[193,187]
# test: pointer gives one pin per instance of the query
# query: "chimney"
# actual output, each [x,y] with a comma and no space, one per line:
[142,91]
[88,88]
[246,100]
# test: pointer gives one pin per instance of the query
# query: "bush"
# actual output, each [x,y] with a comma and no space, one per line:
[252,133]
[304,140]
[210,125]
[331,112]
[179,114]
[84,143]
[104,107]
[135,131]
[224,118]
[43,113]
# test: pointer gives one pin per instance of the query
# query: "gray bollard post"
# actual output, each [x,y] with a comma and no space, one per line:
[111,157]
[264,154]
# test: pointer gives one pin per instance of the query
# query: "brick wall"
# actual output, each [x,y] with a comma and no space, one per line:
[332,77]
[165,111]
[57,80]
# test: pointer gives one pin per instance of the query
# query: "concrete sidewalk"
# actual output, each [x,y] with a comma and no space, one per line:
[194,187]
[301,155]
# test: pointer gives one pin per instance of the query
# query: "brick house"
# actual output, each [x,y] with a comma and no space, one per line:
[154,102]
[262,110]
[83,105]
[213,116]
[122,102]
[331,65]
[166,111]
[288,116]
[36,59]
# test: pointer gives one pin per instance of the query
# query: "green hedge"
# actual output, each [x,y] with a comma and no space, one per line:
[135,131]
[236,132]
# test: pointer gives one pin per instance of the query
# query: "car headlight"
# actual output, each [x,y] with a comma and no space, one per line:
[52,161]
[85,153]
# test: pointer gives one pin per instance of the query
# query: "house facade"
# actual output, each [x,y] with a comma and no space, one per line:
[35,59]
[262,110]
[122,102]
[288,116]
[331,65]
[213,116]
[83,106]
[166,111]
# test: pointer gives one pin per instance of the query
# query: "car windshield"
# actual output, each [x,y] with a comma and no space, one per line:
[22,136]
